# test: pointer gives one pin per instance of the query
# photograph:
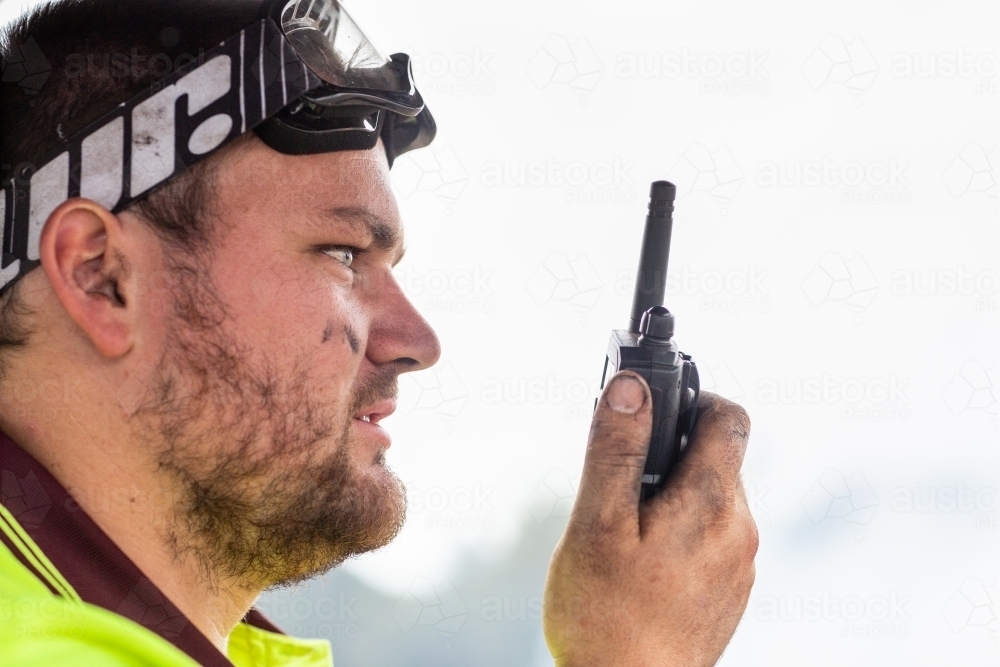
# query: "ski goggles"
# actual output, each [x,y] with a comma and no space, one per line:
[303,77]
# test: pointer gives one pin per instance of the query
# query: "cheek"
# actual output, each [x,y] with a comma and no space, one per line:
[317,331]
[293,315]
[320,328]
[331,354]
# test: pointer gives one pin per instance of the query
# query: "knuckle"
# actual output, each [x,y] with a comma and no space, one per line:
[617,437]
[703,496]
[733,417]
[721,506]
[725,426]
[748,581]
[708,490]
[750,541]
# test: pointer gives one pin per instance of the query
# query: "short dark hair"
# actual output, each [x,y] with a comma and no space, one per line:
[67,63]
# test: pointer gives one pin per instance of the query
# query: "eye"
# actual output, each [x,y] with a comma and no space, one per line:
[343,255]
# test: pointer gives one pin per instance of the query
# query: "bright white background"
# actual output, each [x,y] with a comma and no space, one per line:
[834,269]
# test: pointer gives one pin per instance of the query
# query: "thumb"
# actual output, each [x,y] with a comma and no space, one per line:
[616,453]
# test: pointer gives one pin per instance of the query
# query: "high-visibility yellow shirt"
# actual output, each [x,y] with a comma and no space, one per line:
[69,596]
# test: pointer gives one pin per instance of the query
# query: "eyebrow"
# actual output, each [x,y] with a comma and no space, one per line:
[384,235]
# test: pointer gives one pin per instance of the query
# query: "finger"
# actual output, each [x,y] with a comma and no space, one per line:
[616,453]
[720,437]
[712,462]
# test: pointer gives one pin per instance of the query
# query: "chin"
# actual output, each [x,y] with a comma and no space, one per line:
[384,479]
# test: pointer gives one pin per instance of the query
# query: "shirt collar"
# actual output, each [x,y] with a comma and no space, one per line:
[90,562]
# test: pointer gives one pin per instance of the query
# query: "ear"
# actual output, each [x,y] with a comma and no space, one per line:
[82,251]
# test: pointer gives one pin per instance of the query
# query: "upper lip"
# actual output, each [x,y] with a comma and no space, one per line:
[377,411]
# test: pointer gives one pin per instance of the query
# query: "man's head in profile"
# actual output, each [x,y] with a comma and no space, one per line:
[233,338]
[200,332]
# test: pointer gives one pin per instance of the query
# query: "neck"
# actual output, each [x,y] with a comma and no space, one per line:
[116,483]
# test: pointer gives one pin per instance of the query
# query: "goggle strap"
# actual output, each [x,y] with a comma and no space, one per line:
[144,142]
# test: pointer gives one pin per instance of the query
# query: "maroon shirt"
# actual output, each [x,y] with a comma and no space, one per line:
[87,558]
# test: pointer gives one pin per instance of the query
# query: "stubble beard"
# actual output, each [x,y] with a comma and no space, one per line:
[262,498]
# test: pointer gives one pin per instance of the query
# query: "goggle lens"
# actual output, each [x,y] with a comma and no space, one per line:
[335,48]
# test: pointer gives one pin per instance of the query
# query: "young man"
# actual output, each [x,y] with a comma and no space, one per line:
[200,331]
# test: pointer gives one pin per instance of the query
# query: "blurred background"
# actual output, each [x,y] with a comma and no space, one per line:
[834,269]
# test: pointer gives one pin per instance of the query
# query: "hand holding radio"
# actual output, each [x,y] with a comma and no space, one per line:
[656,564]
[661,583]
[648,348]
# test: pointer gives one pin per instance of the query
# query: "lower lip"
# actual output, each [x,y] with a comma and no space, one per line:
[373,432]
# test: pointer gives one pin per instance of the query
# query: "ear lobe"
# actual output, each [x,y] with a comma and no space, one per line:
[83,255]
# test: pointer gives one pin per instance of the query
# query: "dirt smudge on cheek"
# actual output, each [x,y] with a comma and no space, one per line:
[352,339]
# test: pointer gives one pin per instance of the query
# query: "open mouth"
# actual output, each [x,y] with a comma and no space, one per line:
[367,421]
[376,412]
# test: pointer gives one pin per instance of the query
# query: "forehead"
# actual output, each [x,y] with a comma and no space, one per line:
[256,182]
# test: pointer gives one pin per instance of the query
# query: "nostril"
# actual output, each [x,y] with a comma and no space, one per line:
[405,364]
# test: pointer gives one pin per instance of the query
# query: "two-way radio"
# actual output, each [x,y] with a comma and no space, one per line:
[648,348]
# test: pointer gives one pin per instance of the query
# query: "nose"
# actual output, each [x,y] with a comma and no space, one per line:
[398,333]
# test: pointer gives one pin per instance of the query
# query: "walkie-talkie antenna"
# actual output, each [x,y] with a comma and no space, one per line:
[651,280]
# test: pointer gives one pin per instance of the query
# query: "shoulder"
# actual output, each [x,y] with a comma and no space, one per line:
[43,621]
[49,630]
